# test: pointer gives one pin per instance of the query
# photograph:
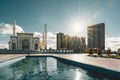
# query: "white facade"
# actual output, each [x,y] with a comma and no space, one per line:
[24,41]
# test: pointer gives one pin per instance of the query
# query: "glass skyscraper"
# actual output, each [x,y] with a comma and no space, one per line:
[96,36]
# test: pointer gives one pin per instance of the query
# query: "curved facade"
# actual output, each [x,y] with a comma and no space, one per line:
[96,36]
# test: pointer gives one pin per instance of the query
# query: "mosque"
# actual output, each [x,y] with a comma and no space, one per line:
[24,41]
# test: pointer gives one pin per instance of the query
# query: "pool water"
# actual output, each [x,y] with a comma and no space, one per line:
[45,68]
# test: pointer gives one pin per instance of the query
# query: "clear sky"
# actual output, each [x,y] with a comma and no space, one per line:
[68,16]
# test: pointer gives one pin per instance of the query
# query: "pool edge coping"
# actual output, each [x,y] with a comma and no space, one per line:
[11,61]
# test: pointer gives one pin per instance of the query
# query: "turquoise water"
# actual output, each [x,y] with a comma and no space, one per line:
[45,68]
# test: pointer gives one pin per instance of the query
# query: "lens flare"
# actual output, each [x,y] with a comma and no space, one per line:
[76,26]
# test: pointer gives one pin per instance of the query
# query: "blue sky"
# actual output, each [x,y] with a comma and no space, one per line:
[61,16]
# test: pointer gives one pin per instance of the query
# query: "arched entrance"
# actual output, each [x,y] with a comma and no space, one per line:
[13,46]
[25,44]
[36,46]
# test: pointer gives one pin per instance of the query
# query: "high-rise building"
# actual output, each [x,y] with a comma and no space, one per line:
[66,42]
[82,44]
[96,36]
[60,39]
[77,44]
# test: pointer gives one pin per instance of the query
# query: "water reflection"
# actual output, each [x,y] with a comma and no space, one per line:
[29,69]
[43,68]
[78,75]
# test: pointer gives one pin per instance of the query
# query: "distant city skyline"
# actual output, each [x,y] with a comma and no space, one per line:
[67,16]
[66,42]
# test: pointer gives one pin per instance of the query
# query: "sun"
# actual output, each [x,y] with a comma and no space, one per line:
[77,28]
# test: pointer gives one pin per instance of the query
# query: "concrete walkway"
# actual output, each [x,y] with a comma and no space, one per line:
[5,57]
[107,63]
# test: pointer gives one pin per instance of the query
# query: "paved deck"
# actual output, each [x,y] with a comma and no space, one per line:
[4,57]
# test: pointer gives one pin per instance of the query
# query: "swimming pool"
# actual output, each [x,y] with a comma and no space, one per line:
[45,68]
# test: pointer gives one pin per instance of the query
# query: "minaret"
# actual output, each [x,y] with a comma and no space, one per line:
[45,36]
[14,23]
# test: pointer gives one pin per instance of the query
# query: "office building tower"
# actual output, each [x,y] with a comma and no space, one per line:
[66,42]
[96,36]
[82,44]
[77,44]
[60,40]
